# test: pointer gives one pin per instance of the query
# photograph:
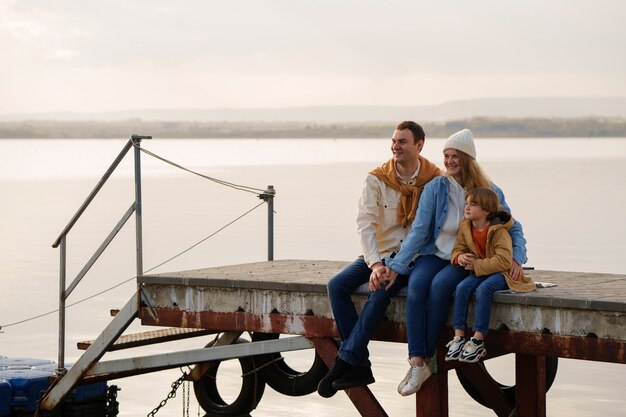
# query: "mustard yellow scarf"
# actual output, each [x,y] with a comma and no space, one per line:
[409,194]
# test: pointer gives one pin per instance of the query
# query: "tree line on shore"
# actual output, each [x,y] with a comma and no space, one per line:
[481,127]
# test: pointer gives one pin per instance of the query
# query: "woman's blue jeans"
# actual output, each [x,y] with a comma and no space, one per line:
[431,285]
[356,329]
[485,288]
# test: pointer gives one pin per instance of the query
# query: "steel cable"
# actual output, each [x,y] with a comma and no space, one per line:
[134,277]
[216,180]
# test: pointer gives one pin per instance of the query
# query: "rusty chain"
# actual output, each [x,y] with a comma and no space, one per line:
[172,394]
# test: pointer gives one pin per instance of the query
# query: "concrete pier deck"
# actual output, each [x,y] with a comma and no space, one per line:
[583,305]
[582,317]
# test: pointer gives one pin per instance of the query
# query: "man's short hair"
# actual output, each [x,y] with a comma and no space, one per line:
[417,130]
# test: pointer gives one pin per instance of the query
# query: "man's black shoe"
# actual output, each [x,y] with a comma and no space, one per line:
[325,387]
[357,376]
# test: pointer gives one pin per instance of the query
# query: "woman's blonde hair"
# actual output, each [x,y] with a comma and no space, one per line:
[471,175]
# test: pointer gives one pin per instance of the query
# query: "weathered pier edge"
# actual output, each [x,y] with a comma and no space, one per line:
[583,317]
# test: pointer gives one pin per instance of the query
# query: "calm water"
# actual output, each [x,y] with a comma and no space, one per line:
[564,191]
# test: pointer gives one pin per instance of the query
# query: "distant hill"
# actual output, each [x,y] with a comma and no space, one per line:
[535,107]
[482,127]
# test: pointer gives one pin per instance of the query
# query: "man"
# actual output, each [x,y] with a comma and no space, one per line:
[386,210]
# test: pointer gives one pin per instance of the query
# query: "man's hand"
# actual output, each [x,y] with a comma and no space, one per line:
[516,272]
[382,275]
[377,276]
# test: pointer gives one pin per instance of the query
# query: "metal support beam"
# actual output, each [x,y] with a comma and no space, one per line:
[117,326]
[151,363]
[225,339]
[432,398]
[530,385]
[100,250]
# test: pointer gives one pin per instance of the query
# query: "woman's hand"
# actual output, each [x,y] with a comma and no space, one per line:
[382,275]
[516,272]
[391,277]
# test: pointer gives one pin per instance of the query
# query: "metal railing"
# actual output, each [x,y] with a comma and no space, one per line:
[61,241]
[136,208]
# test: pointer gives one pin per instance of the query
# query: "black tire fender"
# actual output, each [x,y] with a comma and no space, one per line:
[284,379]
[552,363]
[252,388]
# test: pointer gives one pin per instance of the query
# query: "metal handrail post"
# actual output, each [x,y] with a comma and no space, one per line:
[138,225]
[62,271]
[270,192]
[268,197]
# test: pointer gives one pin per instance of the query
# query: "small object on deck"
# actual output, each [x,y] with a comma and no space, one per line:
[545,284]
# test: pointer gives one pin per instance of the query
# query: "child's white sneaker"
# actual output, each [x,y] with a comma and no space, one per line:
[473,351]
[455,347]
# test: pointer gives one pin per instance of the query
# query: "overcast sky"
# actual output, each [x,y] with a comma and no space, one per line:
[59,55]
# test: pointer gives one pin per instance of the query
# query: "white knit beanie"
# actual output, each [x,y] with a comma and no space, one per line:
[462,141]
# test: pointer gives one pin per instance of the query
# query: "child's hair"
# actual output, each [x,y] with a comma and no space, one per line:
[485,198]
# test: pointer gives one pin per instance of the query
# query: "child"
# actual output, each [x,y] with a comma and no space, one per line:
[483,246]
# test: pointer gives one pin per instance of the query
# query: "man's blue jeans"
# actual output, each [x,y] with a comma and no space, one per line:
[431,285]
[485,288]
[356,330]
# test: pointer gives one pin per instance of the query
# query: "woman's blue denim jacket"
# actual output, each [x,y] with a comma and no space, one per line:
[431,214]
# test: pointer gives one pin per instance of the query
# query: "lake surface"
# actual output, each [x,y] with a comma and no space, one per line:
[567,193]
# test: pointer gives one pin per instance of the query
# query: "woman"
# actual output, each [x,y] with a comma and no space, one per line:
[433,278]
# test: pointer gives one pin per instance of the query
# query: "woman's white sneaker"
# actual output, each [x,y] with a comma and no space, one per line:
[414,379]
[406,378]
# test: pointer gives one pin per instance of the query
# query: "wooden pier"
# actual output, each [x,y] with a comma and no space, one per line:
[583,317]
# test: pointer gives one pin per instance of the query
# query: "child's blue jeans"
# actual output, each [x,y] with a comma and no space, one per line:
[485,287]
